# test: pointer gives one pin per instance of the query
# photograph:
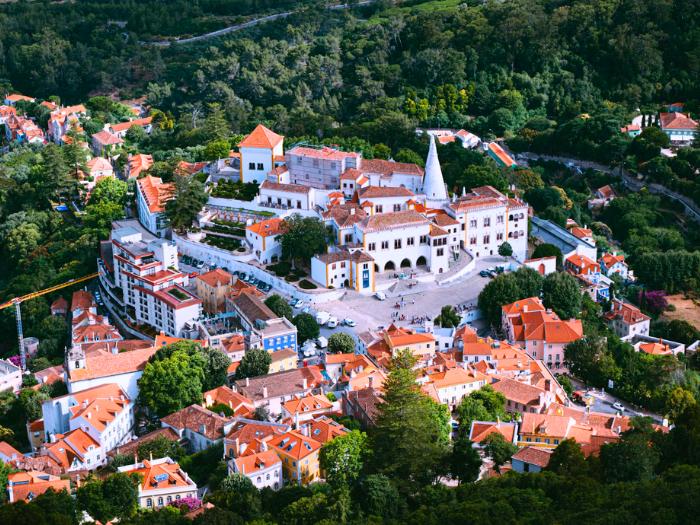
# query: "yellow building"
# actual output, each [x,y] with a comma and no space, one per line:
[299,455]
[282,360]
[212,289]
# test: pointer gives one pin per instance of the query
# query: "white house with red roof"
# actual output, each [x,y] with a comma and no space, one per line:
[614,263]
[680,128]
[285,196]
[62,120]
[27,485]
[120,129]
[263,239]
[162,482]
[626,320]
[104,412]
[12,98]
[260,152]
[151,196]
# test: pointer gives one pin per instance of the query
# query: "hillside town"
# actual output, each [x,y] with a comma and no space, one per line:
[212,318]
[391,235]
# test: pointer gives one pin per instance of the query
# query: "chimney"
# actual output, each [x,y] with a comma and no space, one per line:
[202,428]
[352,211]
[370,381]
[305,430]
[247,381]
[115,350]
[263,446]
[305,384]
[548,385]
[264,392]
[296,420]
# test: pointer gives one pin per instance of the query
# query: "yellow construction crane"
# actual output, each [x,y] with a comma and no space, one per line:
[18,312]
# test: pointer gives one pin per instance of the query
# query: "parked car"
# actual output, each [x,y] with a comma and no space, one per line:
[380,295]
[322,317]
[300,304]
[321,342]
[242,276]
[199,265]
[332,322]
[484,273]
[618,406]
[349,322]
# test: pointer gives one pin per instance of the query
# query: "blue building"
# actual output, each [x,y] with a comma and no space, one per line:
[270,331]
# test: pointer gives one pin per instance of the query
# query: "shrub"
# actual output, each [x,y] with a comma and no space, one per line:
[305,284]
[291,278]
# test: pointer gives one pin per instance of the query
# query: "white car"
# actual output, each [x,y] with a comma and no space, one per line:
[618,406]
[332,322]
[380,295]
[299,304]
[349,322]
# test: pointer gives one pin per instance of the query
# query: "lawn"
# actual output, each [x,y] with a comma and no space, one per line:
[686,309]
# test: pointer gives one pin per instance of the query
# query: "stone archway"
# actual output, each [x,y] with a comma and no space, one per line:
[421,261]
[389,266]
[406,263]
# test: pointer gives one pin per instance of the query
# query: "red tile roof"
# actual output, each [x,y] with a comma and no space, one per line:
[481,429]
[155,192]
[267,228]
[124,126]
[533,456]
[625,312]
[677,120]
[216,278]
[261,137]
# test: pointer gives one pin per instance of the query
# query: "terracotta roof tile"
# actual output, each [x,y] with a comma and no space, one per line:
[261,137]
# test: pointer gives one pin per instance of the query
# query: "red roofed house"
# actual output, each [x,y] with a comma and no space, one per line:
[162,482]
[260,151]
[530,459]
[611,263]
[394,339]
[104,412]
[305,408]
[105,143]
[299,453]
[263,468]
[627,320]
[263,239]
[25,486]
[200,426]
[9,453]
[480,430]
[122,128]
[450,386]
[59,307]
[223,395]
[12,99]
[542,334]
[497,153]
[680,128]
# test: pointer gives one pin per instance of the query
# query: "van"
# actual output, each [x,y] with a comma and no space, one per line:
[322,318]
[321,342]
[380,295]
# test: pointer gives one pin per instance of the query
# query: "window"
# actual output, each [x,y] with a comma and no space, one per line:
[499,219]
[424,239]
[472,240]
[379,208]
[170,499]
[385,245]
[499,236]
[397,207]
[160,501]
[315,163]
[397,244]
[472,223]
[410,241]
[487,239]
[149,502]
[372,246]
[463,226]
[440,252]
[260,166]
[487,221]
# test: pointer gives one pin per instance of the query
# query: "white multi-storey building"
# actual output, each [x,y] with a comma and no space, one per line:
[488,219]
[145,271]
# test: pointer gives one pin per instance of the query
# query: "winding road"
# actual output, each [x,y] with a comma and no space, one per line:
[691,209]
[245,25]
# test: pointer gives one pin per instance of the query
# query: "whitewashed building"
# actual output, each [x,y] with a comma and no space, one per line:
[260,152]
